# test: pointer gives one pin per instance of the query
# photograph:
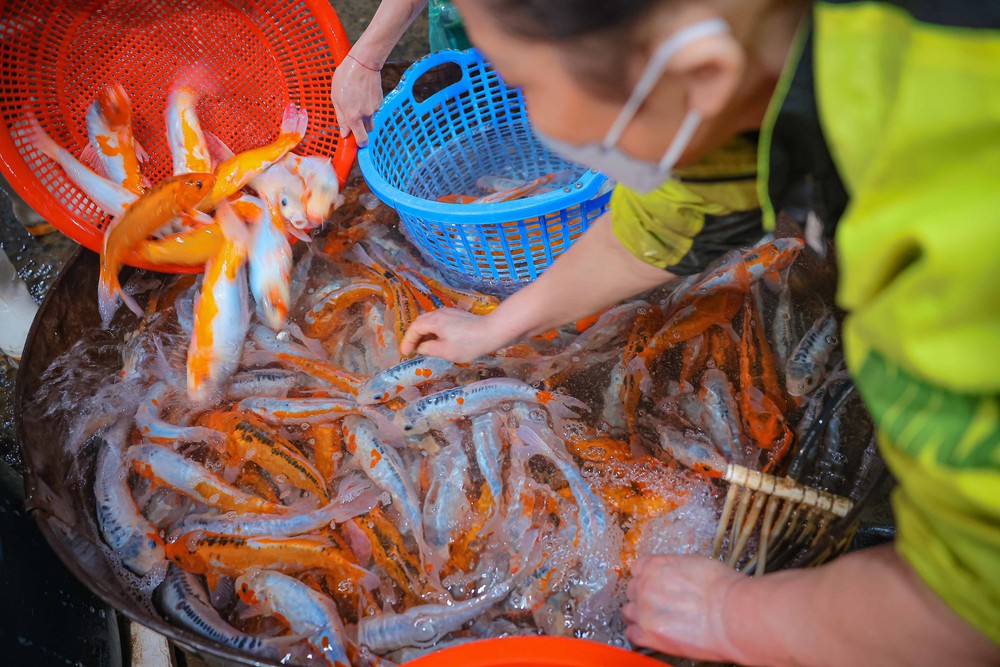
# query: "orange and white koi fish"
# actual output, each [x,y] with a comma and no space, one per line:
[436,410]
[234,173]
[164,467]
[194,247]
[165,201]
[184,134]
[113,149]
[109,196]
[287,191]
[270,266]
[322,187]
[308,613]
[221,313]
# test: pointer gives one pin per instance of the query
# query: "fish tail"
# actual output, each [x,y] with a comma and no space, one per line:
[198,78]
[294,121]
[108,290]
[562,407]
[217,148]
[142,155]
[41,140]
[232,227]
[115,105]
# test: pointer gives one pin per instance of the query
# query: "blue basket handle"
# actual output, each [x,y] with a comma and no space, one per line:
[464,59]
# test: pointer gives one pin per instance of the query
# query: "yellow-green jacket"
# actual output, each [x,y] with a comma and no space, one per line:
[886,126]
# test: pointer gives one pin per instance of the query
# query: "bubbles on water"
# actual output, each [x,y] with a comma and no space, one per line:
[368,200]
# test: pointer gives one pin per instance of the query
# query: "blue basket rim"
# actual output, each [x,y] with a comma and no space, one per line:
[584,188]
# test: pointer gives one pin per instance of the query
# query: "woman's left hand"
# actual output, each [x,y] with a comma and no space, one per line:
[676,605]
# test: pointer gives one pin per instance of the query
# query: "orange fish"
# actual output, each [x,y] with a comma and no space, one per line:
[165,201]
[248,438]
[757,366]
[328,449]
[214,554]
[232,174]
[765,425]
[112,149]
[719,306]
[473,302]
[221,314]
[184,134]
[193,247]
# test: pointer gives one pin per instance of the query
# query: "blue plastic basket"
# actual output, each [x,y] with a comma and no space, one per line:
[420,150]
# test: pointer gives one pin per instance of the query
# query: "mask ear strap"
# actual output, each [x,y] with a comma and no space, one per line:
[681,140]
[654,70]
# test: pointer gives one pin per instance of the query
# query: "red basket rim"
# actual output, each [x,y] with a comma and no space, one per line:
[25,182]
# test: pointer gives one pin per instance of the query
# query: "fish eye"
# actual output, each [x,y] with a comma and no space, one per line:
[284,201]
[197,184]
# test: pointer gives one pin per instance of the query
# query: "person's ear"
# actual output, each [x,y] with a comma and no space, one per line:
[711,69]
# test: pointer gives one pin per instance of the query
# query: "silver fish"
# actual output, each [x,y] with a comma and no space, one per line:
[185,602]
[410,373]
[425,625]
[356,497]
[447,511]
[308,613]
[808,361]
[123,527]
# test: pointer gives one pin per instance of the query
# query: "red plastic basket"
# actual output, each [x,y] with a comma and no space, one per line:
[56,55]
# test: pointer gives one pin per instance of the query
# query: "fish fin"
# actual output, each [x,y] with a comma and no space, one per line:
[200,217]
[311,344]
[295,121]
[91,157]
[38,137]
[232,227]
[298,233]
[109,291]
[141,154]
[217,148]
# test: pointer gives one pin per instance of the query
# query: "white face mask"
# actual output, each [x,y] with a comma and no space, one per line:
[640,175]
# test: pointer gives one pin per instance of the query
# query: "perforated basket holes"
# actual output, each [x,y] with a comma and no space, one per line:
[255,57]
[441,147]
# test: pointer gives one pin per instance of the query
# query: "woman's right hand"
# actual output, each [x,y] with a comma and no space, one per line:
[454,335]
[357,95]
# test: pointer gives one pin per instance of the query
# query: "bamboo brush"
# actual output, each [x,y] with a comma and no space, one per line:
[794,515]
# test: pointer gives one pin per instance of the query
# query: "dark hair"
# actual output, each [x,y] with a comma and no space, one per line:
[596,35]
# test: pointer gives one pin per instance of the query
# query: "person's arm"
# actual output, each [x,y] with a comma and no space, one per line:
[595,272]
[868,607]
[357,84]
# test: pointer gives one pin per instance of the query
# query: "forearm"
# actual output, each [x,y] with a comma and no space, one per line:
[865,607]
[596,272]
[391,20]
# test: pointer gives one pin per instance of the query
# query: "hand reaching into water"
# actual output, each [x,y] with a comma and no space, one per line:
[453,334]
[676,604]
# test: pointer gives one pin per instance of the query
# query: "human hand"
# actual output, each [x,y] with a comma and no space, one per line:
[356,92]
[452,334]
[676,605]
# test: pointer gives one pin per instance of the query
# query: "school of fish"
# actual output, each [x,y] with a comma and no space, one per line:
[231,213]
[329,502]
[304,494]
